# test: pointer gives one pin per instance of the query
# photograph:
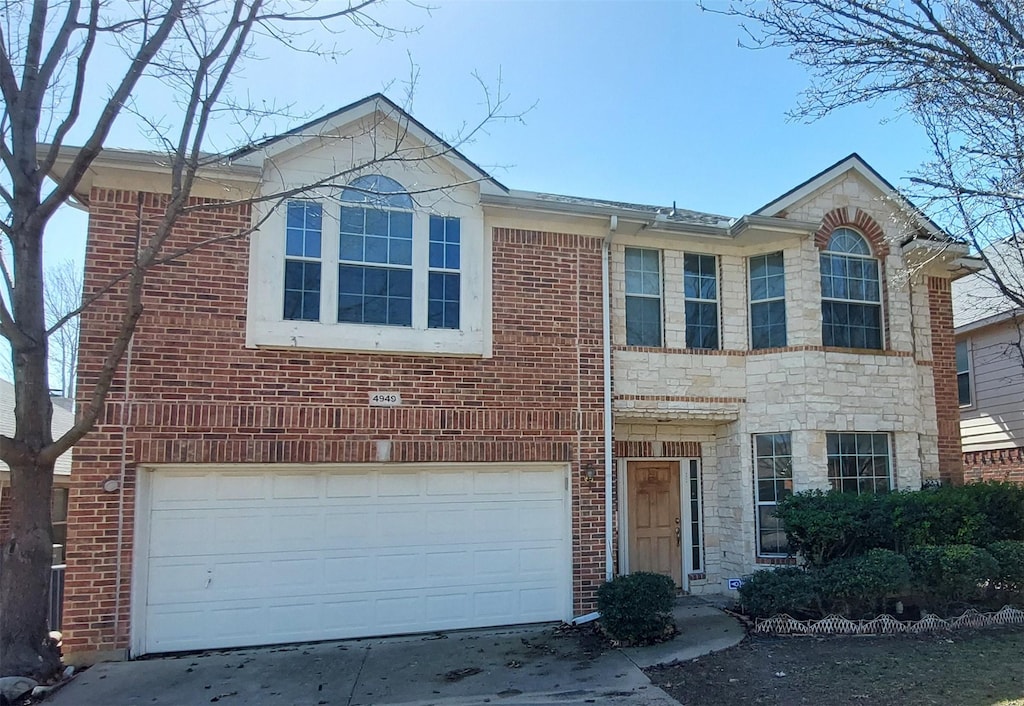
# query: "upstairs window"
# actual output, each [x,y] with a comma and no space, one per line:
[375,270]
[851,302]
[443,286]
[700,289]
[767,301]
[643,297]
[302,261]
[963,373]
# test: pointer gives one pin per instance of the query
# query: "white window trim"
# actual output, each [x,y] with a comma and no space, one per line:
[970,374]
[751,301]
[889,452]
[660,296]
[267,328]
[758,503]
[717,301]
[881,291]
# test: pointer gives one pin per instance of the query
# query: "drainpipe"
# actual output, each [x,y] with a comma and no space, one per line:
[606,327]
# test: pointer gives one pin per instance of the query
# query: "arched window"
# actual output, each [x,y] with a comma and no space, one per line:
[851,300]
[375,269]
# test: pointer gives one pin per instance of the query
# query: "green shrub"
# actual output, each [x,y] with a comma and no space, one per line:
[637,608]
[860,585]
[825,526]
[951,573]
[978,514]
[785,590]
[1010,557]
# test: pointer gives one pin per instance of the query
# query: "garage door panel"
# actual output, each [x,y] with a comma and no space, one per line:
[293,486]
[348,573]
[397,485]
[251,559]
[239,487]
[541,483]
[440,485]
[494,483]
[355,485]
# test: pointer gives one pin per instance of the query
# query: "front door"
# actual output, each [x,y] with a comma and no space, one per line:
[655,532]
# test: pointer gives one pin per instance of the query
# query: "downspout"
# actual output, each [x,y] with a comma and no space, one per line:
[606,332]
[122,477]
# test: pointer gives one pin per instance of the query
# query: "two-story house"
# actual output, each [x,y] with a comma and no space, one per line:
[989,329]
[415,399]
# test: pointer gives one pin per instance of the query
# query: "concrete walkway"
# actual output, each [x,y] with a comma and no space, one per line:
[532,666]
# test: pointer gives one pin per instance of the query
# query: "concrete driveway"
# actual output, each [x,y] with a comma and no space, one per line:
[531,665]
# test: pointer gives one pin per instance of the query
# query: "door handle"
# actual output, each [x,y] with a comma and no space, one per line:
[679,533]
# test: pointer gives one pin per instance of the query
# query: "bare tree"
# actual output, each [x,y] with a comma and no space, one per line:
[957,67]
[62,285]
[192,50]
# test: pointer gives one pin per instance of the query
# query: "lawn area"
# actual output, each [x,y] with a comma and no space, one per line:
[966,668]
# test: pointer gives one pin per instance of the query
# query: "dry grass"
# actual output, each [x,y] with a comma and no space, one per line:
[974,668]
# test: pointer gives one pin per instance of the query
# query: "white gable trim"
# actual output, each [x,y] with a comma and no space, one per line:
[852,163]
[389,111]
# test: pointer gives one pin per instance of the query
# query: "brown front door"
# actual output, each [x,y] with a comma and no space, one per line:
[654,518]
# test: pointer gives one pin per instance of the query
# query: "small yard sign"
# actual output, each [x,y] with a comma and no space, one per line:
[734,584]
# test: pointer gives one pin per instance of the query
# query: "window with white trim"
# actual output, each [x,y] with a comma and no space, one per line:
[773,481]
[368,268]
[851,300]
[767,301]
[859,462]
[443,289]
[375,253]
[700,290]
[643,297]
[304,231]
[963,373]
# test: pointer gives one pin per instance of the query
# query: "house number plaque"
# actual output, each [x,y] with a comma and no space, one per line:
[385,399]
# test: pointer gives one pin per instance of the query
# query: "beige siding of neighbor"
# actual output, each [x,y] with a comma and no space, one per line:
[995,418]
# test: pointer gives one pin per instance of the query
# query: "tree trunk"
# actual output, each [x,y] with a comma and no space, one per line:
[25,645]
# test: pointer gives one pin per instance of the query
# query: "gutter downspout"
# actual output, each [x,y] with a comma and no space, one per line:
[613,225]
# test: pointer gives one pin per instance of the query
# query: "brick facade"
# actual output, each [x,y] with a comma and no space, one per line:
[195,393]
[1003,465]
[947,405]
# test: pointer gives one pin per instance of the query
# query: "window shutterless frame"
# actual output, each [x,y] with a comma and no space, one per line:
[766,278]
[851,293]
[773,481]
[964,377]
[860,462]
[700,294]
[644,323]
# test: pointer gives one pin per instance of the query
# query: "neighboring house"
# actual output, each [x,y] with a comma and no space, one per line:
[990,367]
[386,413]
[62,420]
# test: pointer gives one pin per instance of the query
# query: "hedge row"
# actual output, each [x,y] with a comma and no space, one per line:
[825,526]
[934,577]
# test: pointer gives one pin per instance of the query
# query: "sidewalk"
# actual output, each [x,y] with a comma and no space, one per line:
[530,666]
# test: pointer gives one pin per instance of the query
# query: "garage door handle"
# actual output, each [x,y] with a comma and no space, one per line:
[209,577]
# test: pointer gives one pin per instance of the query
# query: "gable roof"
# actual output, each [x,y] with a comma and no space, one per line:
[377,102]
[977,300]
[852,162]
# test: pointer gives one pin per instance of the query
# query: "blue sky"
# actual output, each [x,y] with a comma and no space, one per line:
[651,102]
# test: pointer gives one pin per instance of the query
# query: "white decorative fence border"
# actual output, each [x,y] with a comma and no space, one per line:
[783,624]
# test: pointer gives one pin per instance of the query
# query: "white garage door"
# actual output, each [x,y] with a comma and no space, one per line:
[264,556]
